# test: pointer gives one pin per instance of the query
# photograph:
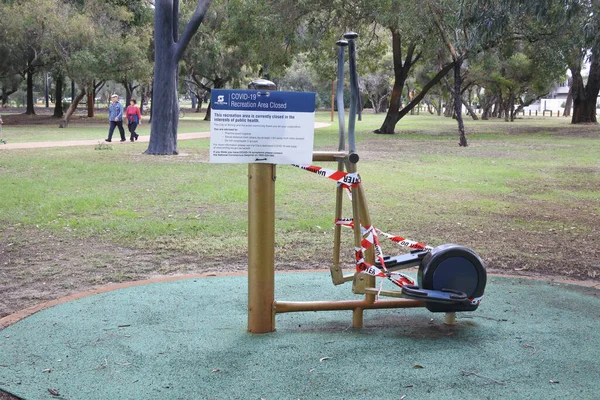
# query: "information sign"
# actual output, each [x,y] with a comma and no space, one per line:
[257,126]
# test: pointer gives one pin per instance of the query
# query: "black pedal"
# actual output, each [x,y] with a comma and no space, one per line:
[445,296]
[402,261]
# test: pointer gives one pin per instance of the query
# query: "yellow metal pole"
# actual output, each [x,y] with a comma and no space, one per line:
[337,275]
[261,247]
[337,305]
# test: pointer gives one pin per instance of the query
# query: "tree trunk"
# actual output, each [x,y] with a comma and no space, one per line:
[400,75]
[193,98]
[30,108]
[469,109]
[568,103]
[91,98]
[72,108]
[458,103]
[208,112]
[585,97]
[7,92]
[394,114]
[58,97]
[449,109]
[129,88]
[168,49]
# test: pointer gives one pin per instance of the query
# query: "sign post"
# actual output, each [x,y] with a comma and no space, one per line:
[261,128]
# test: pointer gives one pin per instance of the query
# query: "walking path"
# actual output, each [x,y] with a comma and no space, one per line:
[93,142]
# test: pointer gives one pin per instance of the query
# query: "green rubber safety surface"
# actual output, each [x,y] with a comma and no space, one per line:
[187,340]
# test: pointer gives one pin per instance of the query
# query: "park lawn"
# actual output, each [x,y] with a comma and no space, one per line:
[525,195]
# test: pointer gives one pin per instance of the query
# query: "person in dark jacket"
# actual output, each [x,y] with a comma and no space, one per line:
[115,118]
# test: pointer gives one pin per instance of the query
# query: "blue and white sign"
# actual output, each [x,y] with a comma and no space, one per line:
[256,126]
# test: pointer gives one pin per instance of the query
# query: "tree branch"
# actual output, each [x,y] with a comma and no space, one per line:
[426,89]
[445,38]
[191,28]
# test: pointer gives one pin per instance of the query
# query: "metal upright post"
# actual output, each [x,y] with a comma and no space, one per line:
[337,274]
[261,239]
[261,247]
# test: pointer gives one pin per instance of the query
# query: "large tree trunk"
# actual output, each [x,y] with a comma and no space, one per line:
[585,97]
[458,103]
[58,97]
[72,108]
[168,49]
[30,108]
[394,113]
[165,118]
[400,75]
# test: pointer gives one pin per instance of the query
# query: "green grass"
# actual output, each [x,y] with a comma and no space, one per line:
[417,182]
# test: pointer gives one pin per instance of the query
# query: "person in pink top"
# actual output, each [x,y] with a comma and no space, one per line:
[134,118]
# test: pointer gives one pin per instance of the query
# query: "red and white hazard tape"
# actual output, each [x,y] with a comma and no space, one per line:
[348,179]
[400,241]
[369,240]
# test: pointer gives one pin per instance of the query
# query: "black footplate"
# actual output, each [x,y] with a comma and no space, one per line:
[446,296]
[393,263]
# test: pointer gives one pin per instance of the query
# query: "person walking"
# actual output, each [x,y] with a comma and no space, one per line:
[115,117]
[134,119]
[1,123]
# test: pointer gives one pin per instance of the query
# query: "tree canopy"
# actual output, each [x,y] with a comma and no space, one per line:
[501,55]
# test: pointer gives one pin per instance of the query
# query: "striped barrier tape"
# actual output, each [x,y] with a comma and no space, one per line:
[400,241]
[347,179]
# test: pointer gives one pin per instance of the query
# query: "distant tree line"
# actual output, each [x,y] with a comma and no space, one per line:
[501,55]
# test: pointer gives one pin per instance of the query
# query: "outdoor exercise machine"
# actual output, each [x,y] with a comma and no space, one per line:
[451,278]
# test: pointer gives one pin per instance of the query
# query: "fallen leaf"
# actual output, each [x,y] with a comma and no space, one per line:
[323,359]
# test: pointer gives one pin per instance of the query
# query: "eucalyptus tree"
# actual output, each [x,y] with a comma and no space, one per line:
[90,48]
[464,28]
[571,26]
[10,55]
[582,38]
[407,33]
[80,53]
[30,23]
[169,48]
